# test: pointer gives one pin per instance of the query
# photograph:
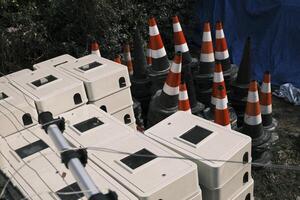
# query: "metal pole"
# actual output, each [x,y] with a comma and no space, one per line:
[83,179]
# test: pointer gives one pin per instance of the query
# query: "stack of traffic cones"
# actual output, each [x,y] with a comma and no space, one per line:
[128,60]
[95,48]
[204,75]
[180,42]
[222,55]
[165,102]
[268,122]
[140,81]
[239,87]
[261,140]
[160,63]
[117,59]
[221,115]
[219,94]
[184,103]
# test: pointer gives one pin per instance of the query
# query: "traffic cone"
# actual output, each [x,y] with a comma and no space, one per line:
[183,103]
[261,140]
[128,60]
[221,115]
[239,87]
[266,101]
[207,59]
[221,51]
[159,57]
[148,56]
[218,82]
[180,42]
[95,48]
[160,64]
[140,81]
[196,106]
[165,101]
[117,59]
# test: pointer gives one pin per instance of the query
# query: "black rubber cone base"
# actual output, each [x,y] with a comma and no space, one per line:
[156,112]
[260,160]
[198,109]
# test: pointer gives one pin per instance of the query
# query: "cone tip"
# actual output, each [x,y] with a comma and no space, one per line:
[206,27]
[253,86]
[219,25]
[152,21]
[175,19]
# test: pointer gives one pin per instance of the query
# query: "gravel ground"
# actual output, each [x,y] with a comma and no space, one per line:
[282,184]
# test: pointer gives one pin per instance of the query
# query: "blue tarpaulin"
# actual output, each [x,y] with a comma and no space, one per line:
[273,26]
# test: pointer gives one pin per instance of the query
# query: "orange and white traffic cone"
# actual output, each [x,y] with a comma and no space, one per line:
[128,60]
[219,99]
[184,103]
[117,59]
[218,81]
[95,48]
[159,57]
[148,55]
[266,101]
[221,51]
[261,140]
[165,102]
[207,58]
[252,118]
[180,42]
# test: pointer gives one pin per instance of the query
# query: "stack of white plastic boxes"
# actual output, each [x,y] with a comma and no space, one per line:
[223,156]
[29,157]
[106,82]
[17,111]
[130,157]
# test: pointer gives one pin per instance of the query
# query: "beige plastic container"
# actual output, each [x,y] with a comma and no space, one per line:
[246,193]
[51,90]
[101,77]
[54,62]
[219,152]
[17,111]
[125,116]
[43,175]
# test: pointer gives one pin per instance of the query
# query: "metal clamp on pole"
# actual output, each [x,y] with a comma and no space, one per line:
[75,160]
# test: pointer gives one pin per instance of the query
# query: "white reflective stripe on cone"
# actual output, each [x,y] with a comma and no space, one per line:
[183,95]
[252,97]
[97,53]
[221,104]
[219,34]
[206,37]
[177,27]
[170,90]
[221,55]
[266,109]
[252,120]
[153,30]
[158,53]
[175,68]
[182,48]
[265,88]
[204,57]
[218,77]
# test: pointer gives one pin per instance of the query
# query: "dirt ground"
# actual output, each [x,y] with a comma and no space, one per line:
[275,183]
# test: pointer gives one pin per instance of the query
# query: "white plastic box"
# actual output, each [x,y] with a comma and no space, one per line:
[158,178]
[95,125]
[38,171]
[17,112]
[126,116]
[54,62]
[235,184]
[115,102]
[246,193]
[101,77]
[219,153]
[51,90]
